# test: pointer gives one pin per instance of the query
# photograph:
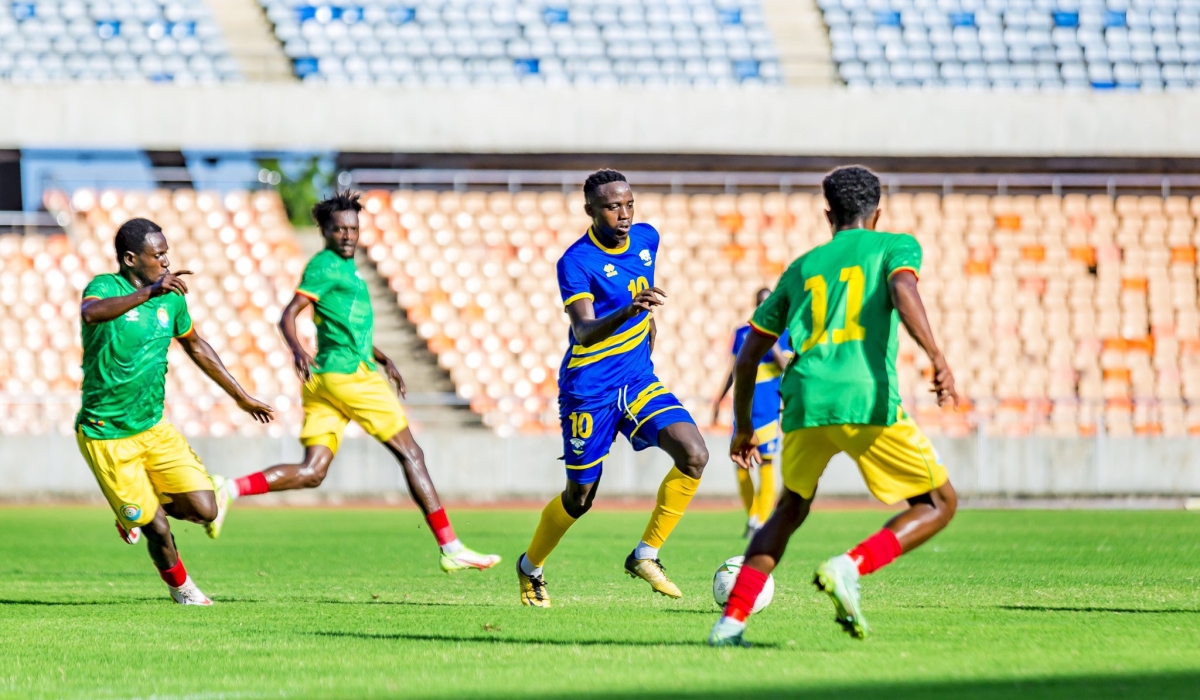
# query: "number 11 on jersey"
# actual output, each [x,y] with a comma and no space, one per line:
[819,306]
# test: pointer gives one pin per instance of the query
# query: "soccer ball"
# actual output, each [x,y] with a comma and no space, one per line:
[725,577]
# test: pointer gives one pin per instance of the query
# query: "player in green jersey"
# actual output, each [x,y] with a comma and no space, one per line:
[143,465]
[841,303]
[341,384]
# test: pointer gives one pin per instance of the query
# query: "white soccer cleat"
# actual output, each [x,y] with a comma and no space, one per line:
[131,536]
[224,501]
[727,633]
[189,594]
[838,577]
[468,559]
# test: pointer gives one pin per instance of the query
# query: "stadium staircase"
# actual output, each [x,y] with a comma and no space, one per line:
[251,39]
[801,40]
[431,399]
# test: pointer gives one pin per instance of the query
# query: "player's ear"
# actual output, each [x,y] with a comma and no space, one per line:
[587,208]
[829,218]
[875,217]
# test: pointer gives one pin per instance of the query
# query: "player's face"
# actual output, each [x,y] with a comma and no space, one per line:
[152,263]
[612,209]
[341,235]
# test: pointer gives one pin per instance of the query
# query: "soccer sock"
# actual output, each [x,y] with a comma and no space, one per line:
[876,552]
[674,494]
[745,489]
[554,524]
[764,502]
[745,592]
[439,522]
[528,568]
[645,551]
[250,485]
[175,576]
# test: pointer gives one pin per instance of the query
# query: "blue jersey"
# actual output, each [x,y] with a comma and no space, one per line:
[766,388]
[610,277]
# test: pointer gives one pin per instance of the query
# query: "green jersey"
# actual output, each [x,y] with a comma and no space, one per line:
[342,312]
[834,303]
[125,361]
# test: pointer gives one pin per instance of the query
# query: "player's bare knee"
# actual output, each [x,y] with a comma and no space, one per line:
[577,499]
[312,475]
[695,458]
[946,499]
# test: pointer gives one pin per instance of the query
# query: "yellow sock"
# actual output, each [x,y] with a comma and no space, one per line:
[764,502]
[674,495]
[554,524]
[746,489]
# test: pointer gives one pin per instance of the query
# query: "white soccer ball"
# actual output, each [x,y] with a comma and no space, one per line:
[727,575]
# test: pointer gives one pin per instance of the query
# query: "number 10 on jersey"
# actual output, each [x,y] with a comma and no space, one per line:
[819,304]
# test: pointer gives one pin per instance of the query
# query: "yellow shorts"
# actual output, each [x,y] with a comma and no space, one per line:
[332,400]
[897,462]
[136,473]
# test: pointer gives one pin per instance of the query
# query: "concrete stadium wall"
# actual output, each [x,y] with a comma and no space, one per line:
[791,121]
[477,466]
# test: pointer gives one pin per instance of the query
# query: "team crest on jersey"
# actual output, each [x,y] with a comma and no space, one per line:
[131,315]
[646,259]
[610,270]
[164,318]
[577,445]
[131,512]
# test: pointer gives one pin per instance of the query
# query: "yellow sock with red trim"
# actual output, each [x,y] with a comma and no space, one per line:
[554,524]
[764,502]
[674,495]
[745,484]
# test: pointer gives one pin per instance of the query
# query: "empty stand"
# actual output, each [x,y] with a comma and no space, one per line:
[488,42]
[1147,45]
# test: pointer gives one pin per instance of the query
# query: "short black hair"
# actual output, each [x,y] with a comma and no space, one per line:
[852,193]
[323,211]
[601,177]
[131,237]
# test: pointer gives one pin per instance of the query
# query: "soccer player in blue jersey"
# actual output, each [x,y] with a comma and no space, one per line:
[607,385]
[765,421]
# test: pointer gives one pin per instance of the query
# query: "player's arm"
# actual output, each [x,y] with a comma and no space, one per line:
[780,356]
[392,372]
[590,330]
[207,360]
[302,362]
[903,289]
[745,377]
[95,310]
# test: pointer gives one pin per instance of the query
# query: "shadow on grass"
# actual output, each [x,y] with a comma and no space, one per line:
[1098,609]
[414,603]
[1167,686]
[74,603]
[404,636]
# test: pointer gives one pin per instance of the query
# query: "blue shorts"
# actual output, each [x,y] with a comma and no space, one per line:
[590,424]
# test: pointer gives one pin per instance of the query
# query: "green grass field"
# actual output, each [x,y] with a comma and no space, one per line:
[344,603]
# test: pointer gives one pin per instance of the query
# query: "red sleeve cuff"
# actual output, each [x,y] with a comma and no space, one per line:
[763,331]
[308,295]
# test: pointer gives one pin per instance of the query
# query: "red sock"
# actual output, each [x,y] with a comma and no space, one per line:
[174,576]
[876,552]
[252,484]
[440,524]
[745,592]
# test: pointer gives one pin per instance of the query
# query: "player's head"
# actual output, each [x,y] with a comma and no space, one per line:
[142,250]
[761,295]
[609,201]
[852,193]
[337,217]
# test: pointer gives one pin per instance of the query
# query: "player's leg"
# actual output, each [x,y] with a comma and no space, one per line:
[588,429]
[653,417]
[324,422]
[764,498]
[160,543]
[806,453]
[455,555]
[899,464]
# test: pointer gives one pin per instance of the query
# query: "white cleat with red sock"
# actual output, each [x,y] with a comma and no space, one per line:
[189,594]
[131,536]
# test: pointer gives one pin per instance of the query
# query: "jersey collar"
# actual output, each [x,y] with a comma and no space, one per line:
[601,246]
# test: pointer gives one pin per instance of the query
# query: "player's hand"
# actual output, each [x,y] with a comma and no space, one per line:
[744,449]
[393,375]
[262,412]
[170,282]
[647,299]
[303,363]
[943,382]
